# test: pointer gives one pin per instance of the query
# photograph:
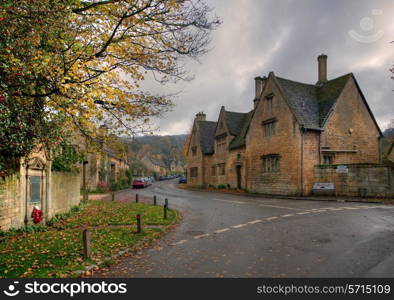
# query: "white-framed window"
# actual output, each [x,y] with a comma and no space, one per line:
[271,163]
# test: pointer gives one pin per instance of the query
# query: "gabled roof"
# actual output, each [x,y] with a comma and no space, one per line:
[239,140]
[234,121]
[207,136]
[327,94]
[312,104]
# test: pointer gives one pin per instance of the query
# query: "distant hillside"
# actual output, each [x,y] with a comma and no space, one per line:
[152,153]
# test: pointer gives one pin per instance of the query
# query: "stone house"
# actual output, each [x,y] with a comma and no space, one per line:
[390,153]
[293,127]
[106,164]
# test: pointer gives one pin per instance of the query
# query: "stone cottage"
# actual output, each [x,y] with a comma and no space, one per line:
[292,128]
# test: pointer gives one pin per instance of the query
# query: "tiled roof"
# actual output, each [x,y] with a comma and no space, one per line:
[234,121]
[312,104]
[327,95]
[207,136]
[239,140]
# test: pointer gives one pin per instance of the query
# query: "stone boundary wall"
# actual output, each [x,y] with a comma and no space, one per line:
[64,192]
[362,180]
[10,202]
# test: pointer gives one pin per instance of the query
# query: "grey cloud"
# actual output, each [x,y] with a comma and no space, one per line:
[285,36]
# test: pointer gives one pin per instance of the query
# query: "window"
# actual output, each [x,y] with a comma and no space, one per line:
[221,142]
[270,163]
[328,159]
[269,103]
[193,172]
[269,127]
[294,125]
[222,169]
[213,171]
[194,150]
[35,189]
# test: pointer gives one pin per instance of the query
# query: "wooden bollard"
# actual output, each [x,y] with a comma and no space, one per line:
[139,229]
[136,198]
[154,200]
[86,243]
[165,208]
[113,196]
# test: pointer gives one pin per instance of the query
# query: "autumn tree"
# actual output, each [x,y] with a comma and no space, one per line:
[79,64]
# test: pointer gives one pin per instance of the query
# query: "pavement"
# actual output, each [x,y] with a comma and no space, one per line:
[225,235]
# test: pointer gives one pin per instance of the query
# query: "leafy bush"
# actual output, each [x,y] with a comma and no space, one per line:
[221,186]
[102,187]
[67,158]
[25,229]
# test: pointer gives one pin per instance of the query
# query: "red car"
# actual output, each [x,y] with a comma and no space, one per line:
[139,183]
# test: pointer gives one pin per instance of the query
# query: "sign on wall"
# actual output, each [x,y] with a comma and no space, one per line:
[342,169]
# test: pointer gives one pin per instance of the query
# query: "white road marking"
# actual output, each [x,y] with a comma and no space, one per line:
[255,221]
[285,216]
[228,201]
[179,243]
[222,230]
[351,207]
[201,236]
[239,225]
[319,210]
[280,207]
[271,218]
[304,213]
[336,209]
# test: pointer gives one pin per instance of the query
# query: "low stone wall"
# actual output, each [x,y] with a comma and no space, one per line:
[65,192]
[362,180]
[10,204]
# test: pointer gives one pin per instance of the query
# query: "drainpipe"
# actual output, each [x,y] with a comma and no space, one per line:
[202,170]
[43,204]
[26,194]
[320,161]
[302,160]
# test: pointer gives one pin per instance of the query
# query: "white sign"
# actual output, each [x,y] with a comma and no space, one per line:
[323,186]
[342,169]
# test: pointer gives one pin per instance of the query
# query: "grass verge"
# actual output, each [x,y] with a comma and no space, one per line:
[58,252]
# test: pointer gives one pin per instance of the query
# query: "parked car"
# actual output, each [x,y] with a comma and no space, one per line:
[148,181]
[139,183]
[182,179]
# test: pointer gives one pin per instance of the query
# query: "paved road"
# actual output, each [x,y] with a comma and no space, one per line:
[238,236]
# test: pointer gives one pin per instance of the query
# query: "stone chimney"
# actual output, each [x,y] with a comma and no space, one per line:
[259,84]
[322,60]
[201,116]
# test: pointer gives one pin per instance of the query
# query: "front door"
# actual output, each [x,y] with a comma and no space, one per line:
[239,177]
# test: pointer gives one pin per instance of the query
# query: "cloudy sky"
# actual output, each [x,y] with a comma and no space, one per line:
[286,36]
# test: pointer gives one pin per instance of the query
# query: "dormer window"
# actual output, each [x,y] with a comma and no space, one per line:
[221,142]
[194,150]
